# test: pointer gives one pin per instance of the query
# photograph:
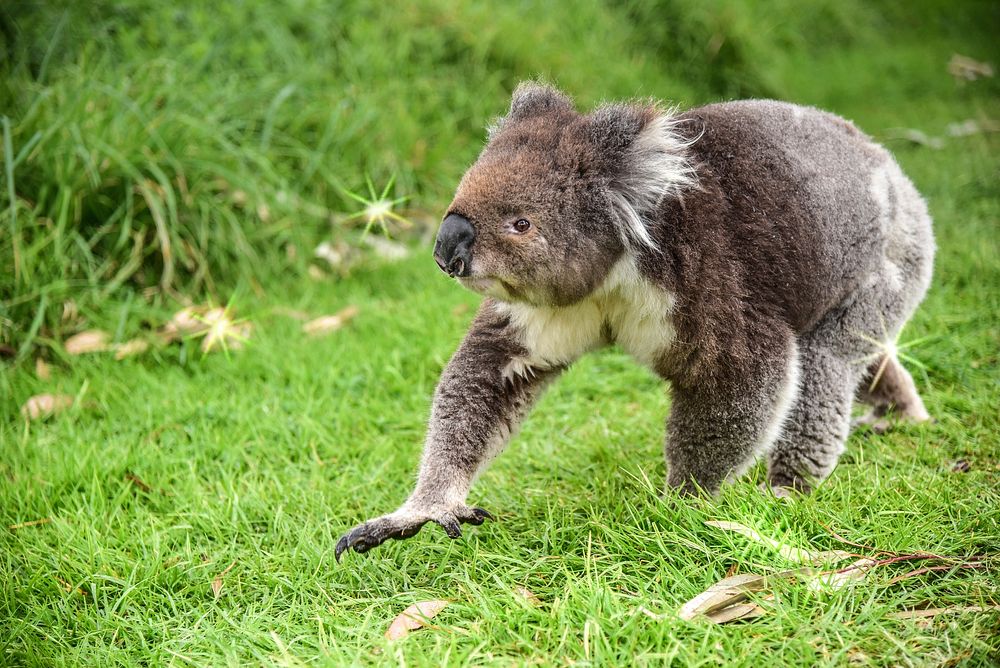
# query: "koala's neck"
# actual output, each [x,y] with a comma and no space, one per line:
[626,309]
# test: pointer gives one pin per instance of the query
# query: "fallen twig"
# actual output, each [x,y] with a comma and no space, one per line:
[928,569]
[934,612]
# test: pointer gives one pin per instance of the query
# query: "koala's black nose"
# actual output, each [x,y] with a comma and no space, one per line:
[453,249]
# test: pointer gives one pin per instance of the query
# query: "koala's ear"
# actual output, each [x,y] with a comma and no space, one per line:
[531,98]
[646,159]
[613,128]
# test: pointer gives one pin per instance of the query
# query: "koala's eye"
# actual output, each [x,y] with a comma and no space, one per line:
[521,226]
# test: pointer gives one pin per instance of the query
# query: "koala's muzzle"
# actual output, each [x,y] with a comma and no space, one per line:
[453,249]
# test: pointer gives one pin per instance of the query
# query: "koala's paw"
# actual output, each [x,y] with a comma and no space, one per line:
[786,494]
[875,422]
[788,486]
[882,422]
[405,523]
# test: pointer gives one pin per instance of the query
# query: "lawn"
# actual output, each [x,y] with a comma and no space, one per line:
[184,510]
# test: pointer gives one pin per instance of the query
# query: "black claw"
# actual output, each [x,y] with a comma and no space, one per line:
[479,514]
[371,534]
[451,527]
[341,546]
[359,539]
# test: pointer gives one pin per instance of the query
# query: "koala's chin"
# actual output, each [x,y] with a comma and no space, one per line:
[488,287]
[504,290]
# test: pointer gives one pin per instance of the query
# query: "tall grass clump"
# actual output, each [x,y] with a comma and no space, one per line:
[152,151]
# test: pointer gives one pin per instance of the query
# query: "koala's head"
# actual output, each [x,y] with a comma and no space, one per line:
[556,197]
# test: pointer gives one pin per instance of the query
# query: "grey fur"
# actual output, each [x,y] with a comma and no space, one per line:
[760,256]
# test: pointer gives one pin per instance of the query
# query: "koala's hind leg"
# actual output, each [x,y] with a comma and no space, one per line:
[716,429]
[813,436]
[889,389]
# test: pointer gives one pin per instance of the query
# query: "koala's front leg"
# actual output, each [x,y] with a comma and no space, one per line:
[483,393]
[717,426]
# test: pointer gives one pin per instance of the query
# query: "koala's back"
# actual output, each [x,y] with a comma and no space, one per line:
[813,210]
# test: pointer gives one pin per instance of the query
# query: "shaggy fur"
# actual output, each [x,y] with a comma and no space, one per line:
[760,256]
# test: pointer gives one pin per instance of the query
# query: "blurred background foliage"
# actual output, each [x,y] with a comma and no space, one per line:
[153,150]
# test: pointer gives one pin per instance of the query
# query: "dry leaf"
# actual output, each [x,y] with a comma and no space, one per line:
[972,127]
[856,571]
[217,580]
[316,273]
[138,482]
[295,314]
[963,67]
[651,614]
[414,617]
[918,137]
[90,341]
[723,593]
[386,248]
[856,657]
[129,348]
[527,595]
[211,316]
[934,612]
[793,554]
[333,255]
[42,369]
[189,319]
[68,588]
[70,312]
[736,612]
[330,323]
[732,590]
[44,405]
[32,523]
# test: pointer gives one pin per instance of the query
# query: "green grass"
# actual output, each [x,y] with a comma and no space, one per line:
[262,458]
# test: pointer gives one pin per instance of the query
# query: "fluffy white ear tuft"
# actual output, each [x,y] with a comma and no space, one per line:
[656,165]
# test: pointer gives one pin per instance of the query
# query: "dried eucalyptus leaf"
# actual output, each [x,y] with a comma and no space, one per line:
[527,595]
[90,341]
[735,612]
[732,590]
[130,348]
[43,405]
[793,554]
[330,323]
[414,617]
[217,580]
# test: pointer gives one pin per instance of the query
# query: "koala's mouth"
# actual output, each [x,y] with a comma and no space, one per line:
[489,287]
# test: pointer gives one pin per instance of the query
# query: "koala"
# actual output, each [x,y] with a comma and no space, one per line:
[759,256]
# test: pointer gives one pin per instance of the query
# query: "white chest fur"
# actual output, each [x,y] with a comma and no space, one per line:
[626,309]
